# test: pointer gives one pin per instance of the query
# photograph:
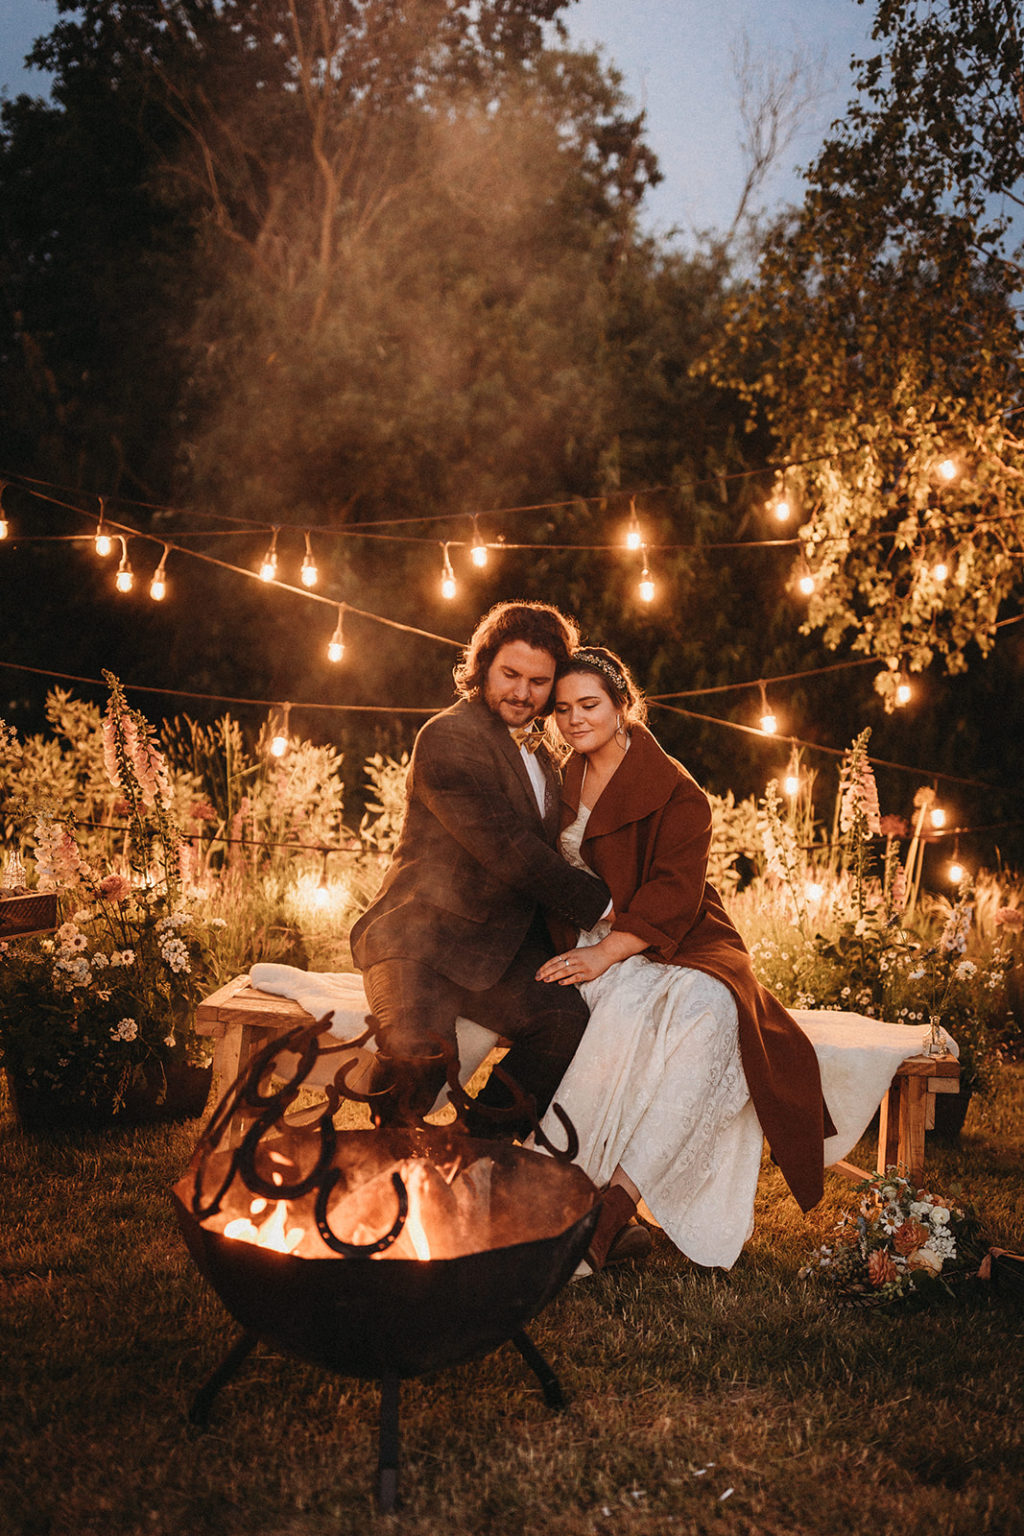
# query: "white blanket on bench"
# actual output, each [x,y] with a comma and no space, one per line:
[858,1056]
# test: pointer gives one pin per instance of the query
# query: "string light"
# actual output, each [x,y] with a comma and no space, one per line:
[937,816]
[448,587]
[948,469]
[104,543]
[336,644]
[956,871]
[805,584]
[125,579]
[940,570]
[158,586]
[904,691]
[268,568]
[309,575]
[478,549]
[279,740]
[768,722]
[634,532]
[646,587]
[4,525]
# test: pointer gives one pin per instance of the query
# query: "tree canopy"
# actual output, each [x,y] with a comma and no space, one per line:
[884,332]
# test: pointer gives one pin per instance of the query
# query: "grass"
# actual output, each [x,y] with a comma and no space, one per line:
[685,1383]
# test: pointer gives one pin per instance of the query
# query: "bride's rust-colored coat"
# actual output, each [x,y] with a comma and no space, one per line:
[648,838]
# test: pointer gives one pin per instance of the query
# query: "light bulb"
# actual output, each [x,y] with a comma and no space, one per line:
[158,587]
[769,724]
[478,549]
[813,891]
[448,587]
[806,585]
[309,575]
[634,533]
[956,872]
[268,567]
[278,746]
[947,469]
[938,816]
[124,580]
[940,570]
[321,896]
[104,543]
[791,783]
[4,527]
[336,644]
[781,510]
[904,692]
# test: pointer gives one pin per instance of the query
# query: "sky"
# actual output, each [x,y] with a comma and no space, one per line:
[676,59]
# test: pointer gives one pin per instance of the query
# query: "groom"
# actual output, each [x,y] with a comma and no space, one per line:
[456,927]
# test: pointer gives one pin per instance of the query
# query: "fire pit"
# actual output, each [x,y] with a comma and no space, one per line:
[379,1253]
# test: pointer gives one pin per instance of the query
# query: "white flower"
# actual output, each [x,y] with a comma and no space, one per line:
[920,1208]
[939,1216]
[127,957]
[99,960]
[175,954]
[127,1029]
[169,1040]
[965,970]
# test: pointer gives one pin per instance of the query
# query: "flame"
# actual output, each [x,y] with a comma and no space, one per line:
[272,1233]
[415,1176]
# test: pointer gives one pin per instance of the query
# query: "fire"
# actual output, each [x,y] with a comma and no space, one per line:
[272,1233]
[415,1175]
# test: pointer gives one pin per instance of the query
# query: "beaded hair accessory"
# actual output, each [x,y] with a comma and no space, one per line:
[601,664]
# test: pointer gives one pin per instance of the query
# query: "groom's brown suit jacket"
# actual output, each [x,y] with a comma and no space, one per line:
[475,857]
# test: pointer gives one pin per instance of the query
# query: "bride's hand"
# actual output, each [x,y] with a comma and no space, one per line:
[575,966]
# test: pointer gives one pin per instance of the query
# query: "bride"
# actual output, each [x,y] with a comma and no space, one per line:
[687,1061]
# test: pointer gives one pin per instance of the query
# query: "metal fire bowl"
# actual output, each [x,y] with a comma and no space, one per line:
[368,1317]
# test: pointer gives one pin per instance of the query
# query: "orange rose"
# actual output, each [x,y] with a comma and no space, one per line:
[909,1236]
[881,1268]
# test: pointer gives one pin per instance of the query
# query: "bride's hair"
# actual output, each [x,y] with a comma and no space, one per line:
[613,675]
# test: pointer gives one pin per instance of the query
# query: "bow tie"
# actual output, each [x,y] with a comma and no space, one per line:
[528,736]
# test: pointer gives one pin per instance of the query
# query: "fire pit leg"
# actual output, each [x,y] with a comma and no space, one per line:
[199,1412]
[549,1382]
[387,1455]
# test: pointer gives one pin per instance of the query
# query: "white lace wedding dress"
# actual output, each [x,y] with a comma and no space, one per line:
[657,1086]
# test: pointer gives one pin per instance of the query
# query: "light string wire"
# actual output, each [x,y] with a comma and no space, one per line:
[658,700]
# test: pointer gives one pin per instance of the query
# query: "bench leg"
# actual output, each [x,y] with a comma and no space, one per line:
[913,1112]
[888,1127]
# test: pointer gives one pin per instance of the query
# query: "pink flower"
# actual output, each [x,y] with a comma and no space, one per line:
[115,888]
[1010,917]
[202,810]
[893,826]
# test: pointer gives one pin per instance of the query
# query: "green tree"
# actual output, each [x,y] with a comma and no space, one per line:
[884,339]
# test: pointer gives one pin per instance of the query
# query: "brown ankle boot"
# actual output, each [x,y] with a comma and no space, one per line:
[617,1237]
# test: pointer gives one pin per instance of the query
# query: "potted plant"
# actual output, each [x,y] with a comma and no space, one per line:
[97,1019]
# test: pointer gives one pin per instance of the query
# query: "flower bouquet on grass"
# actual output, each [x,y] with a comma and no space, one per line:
[900,1242]
[97,1020]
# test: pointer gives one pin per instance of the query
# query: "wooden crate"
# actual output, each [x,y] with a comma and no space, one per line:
[23,916]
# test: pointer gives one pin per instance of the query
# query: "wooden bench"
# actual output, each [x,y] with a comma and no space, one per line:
[240,1020]
[906,1113]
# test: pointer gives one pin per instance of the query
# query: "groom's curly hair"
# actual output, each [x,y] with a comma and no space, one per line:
[536,624]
